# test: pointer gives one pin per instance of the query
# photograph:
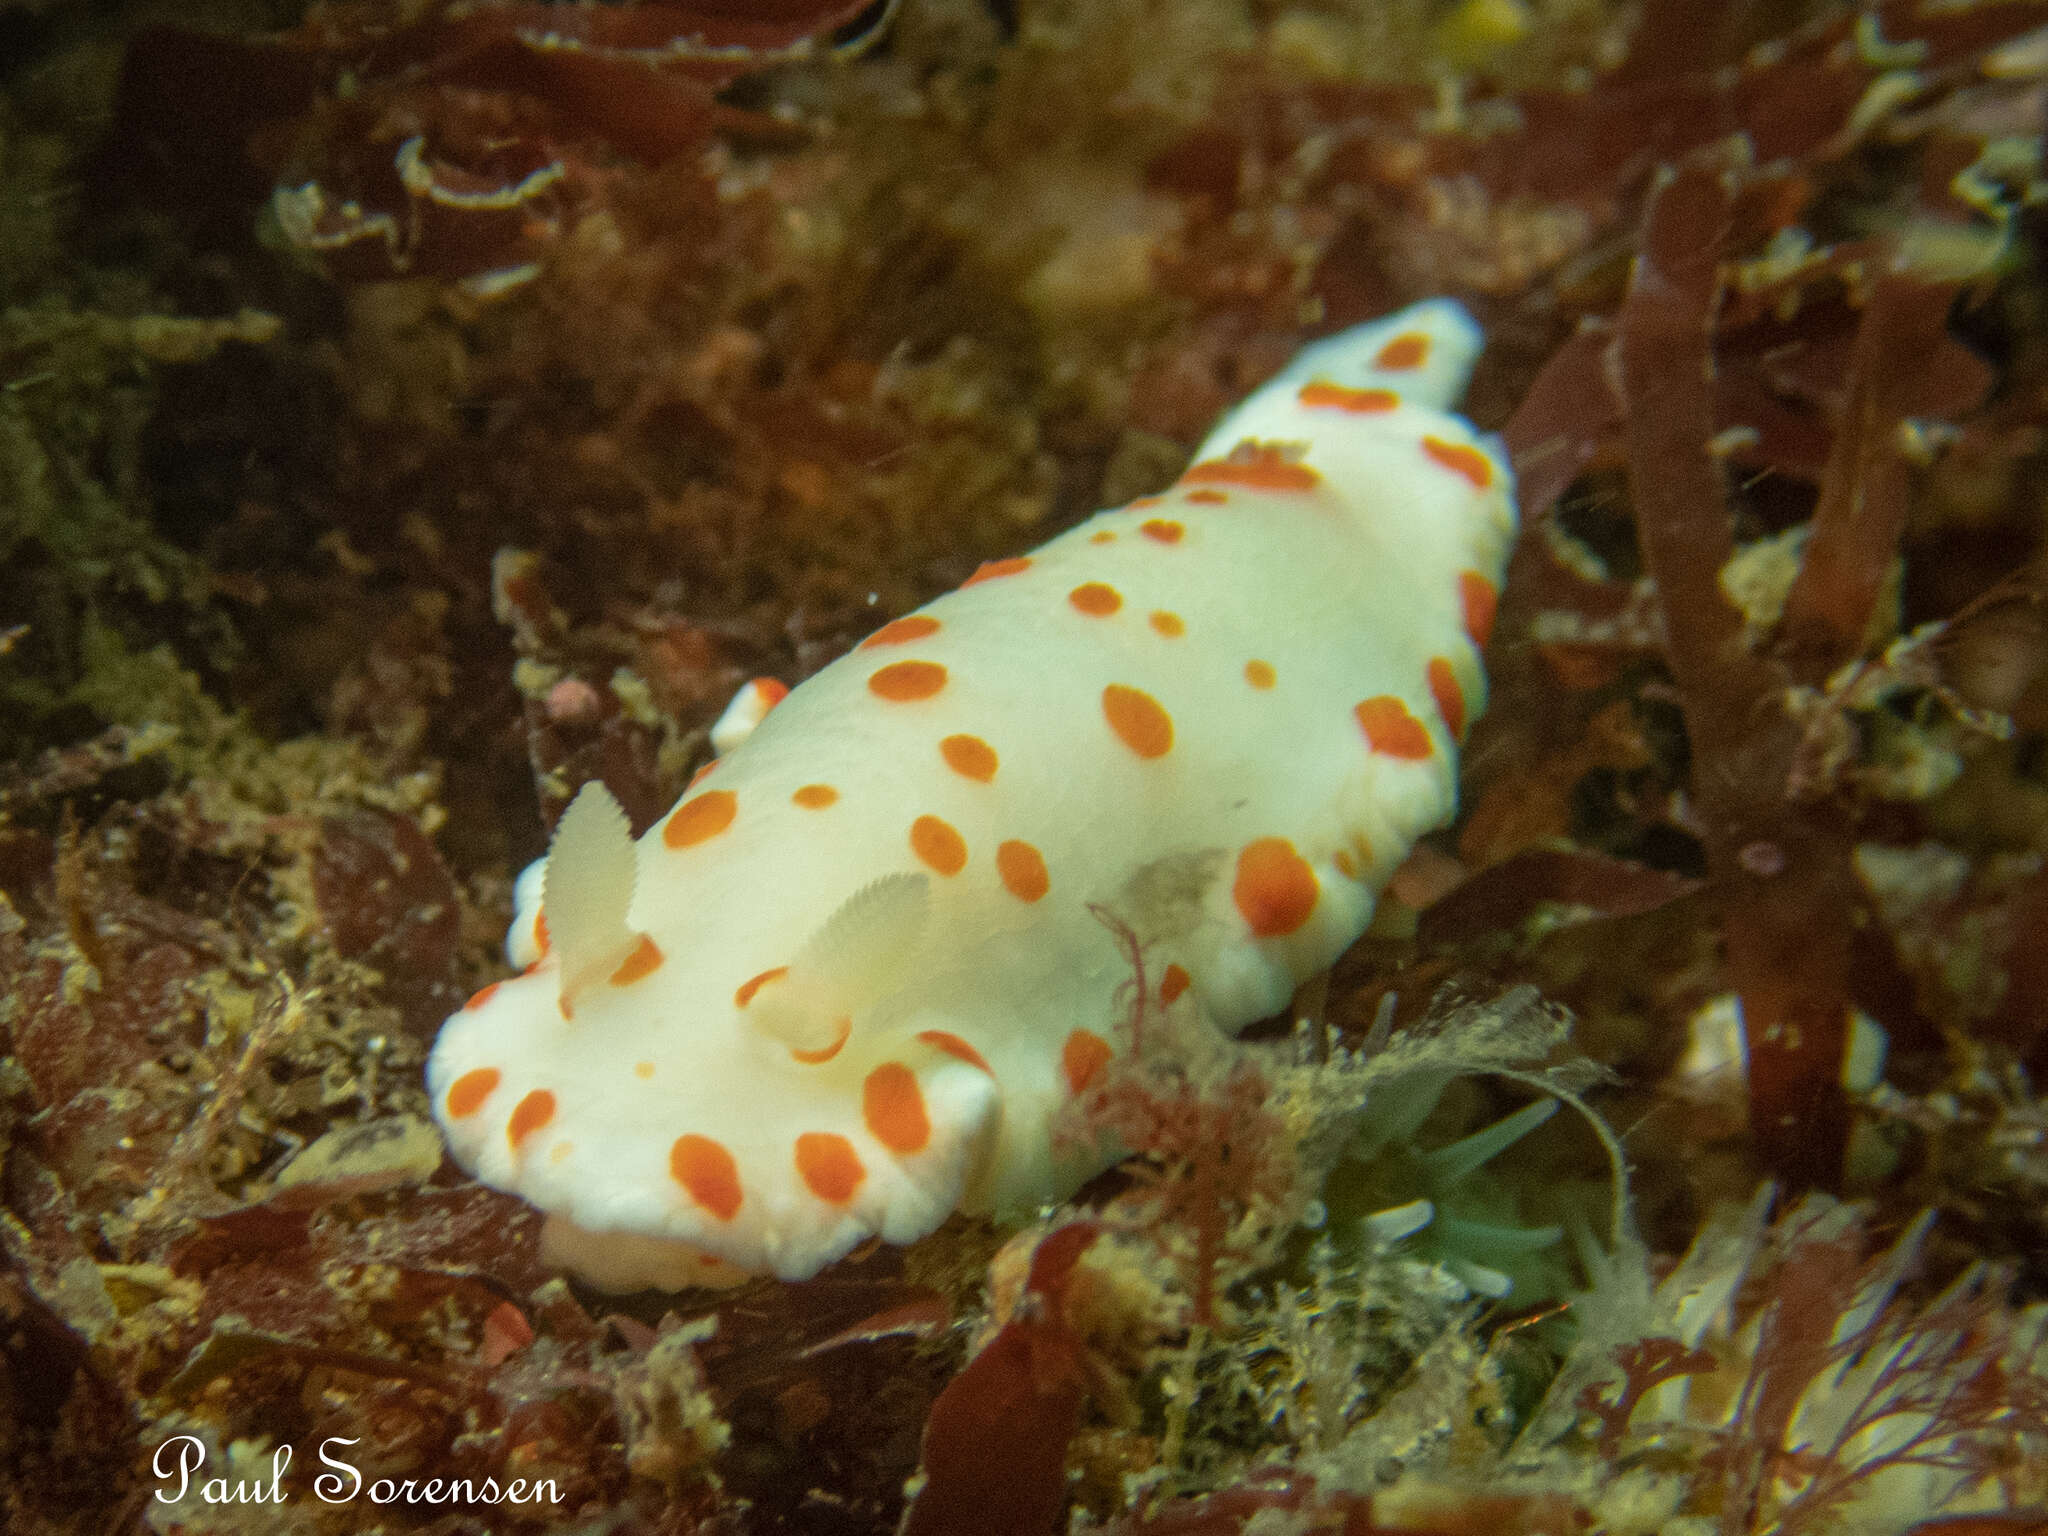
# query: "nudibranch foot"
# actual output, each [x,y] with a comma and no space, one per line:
[618,1262]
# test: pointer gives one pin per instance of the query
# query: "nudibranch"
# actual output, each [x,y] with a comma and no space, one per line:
[850,982]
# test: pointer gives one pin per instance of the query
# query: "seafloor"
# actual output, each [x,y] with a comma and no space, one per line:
[403,422]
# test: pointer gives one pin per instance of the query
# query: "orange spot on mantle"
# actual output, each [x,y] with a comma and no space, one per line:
[1275,890]
[529,1115]
[904,682]
[970,757]
[704,1168]
[938,846]
[1258,467]
[990,570]
[1410,349]
[829,1166]
[1096,599]
[1479,600]
[1461,459]
[1138,720]
[1359,402]
[916,626]
[1082,1056]
[1450,698]
[1022,868]
[698,820]
[1391,729]
[953,1045]
[467,1093]
[892,1105]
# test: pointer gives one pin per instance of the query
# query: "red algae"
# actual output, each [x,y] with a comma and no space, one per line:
[995,1446]
[465,141]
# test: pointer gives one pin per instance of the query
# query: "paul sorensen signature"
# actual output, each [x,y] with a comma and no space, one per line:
[340,1484]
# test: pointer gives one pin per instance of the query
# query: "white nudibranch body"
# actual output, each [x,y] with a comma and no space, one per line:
[850,982]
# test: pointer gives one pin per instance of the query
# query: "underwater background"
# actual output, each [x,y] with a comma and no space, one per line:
[411,411]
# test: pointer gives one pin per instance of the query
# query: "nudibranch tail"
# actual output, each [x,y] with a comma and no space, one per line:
[1422,356]
[857,978]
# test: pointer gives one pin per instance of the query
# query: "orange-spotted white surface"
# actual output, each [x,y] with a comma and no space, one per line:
[850,982]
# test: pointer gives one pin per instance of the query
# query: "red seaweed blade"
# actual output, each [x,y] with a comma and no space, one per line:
[1782,870]
[995,1447]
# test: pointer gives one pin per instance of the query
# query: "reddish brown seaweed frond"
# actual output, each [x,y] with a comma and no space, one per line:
[1742,344]
[995,1446]
[1644,1365]
[1782,869]
[1780,854]
[459,140]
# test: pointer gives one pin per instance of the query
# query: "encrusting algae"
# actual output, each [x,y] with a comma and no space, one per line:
[409,419]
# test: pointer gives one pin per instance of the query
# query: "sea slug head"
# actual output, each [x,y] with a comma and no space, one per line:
[679,1128]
